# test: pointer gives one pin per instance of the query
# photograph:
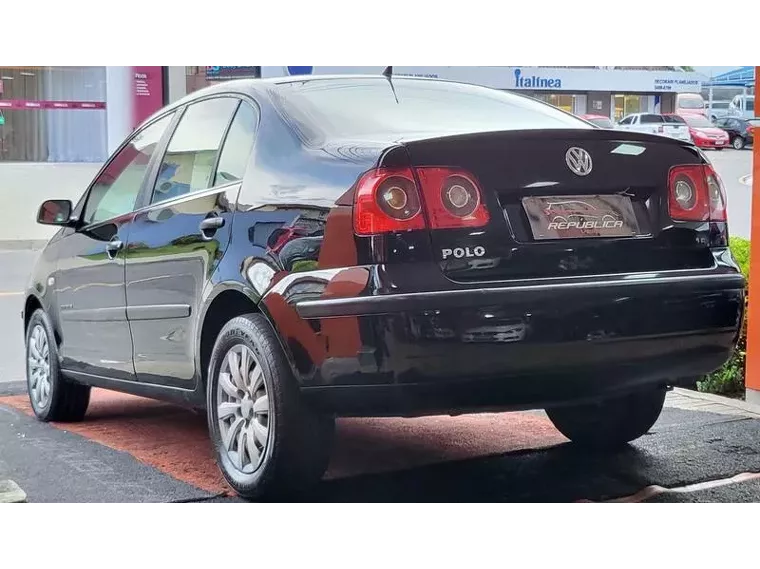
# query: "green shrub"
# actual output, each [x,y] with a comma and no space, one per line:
[729,379]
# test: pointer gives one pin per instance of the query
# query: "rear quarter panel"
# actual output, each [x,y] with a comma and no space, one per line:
[292,232]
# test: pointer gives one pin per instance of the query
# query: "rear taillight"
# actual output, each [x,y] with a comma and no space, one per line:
[696,193]
[452,198]
[390,200]
[387,200]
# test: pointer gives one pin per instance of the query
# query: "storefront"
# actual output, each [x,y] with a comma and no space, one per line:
[197,77]
[608,92]
[73,114]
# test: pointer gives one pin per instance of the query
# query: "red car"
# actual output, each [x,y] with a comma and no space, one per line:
[599,120]
[704,133]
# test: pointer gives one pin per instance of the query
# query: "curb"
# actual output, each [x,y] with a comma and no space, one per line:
[738,405]
[22,244]
[12,388]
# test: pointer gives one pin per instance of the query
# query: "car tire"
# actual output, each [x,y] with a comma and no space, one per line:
[609,423]
[268,442]
[53,397]
[738,143]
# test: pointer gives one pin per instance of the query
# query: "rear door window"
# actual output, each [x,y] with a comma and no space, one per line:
[191,156]
[237,147]
[651,119]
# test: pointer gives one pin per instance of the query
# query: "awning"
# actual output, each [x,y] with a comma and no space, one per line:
[741,77]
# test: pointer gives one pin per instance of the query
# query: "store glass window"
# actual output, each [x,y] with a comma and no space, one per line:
[571,103]
[629,104]
[53,114]
[198,77]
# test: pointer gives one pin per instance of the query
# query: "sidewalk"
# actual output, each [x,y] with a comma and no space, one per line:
[694,401]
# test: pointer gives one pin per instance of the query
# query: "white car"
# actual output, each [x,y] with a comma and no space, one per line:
[655,124]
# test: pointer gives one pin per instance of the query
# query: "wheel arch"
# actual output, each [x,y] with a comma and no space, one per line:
[33,303]
[226,301]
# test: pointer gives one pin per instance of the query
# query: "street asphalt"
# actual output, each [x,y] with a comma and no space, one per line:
[130,449]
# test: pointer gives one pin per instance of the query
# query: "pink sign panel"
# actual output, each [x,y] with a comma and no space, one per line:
[148,94]
[21,105]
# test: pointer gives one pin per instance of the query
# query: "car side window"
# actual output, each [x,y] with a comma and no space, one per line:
[237,147]
[626,120]
[115,190]
[188,164]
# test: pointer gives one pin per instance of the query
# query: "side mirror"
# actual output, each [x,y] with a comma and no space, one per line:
[55,212]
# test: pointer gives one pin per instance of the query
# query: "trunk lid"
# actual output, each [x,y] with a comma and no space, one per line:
[678,131]
[564,203]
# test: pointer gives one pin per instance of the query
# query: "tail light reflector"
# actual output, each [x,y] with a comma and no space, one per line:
[391,200]
[696,193]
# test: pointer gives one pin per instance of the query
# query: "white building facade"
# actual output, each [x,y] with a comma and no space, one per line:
[607,90]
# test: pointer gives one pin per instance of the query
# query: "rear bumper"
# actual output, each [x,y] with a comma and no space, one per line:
[608,288]
[509,347]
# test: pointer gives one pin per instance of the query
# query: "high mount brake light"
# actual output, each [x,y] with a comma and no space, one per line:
[389,200]
[696,193]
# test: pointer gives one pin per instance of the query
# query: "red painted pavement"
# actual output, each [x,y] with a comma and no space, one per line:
[175,440]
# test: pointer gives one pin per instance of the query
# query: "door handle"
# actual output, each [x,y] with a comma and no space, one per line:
[210,225]
[113,248]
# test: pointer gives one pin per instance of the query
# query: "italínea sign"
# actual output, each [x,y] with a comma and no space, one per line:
[528,78]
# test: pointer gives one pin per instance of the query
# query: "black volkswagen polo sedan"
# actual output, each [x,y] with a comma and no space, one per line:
[282,252]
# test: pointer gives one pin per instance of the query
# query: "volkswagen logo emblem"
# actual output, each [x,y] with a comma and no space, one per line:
[579,161]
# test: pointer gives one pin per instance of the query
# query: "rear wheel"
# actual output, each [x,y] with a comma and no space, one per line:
[610,423]
[268,442]
[738,143]
[53,397]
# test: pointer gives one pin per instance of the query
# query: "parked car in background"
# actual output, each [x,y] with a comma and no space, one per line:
[740,130]
[655,124]
[742,106]
[599,120]
[704,133]
[717,109]
[281,252]
[690,104]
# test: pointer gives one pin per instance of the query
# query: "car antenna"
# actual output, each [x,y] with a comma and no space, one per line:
[388,74]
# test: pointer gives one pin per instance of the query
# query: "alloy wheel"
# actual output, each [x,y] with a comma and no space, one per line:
[38,366]
[243,409]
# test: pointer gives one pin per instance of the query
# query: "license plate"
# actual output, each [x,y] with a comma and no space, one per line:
[579,217]
[718,143]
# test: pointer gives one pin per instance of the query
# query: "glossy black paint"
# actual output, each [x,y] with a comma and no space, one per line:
[383,324]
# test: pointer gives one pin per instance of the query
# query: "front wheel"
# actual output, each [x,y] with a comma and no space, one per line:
[610,423]
[53,397]
[268,442]
[738,143]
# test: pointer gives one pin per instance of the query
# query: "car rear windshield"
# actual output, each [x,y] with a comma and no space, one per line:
[691,103]
[698,121]
[376,108]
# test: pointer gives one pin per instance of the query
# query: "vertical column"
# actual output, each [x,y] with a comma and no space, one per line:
[752,381]
[119,105]
[177,87]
